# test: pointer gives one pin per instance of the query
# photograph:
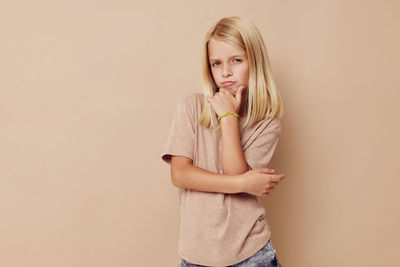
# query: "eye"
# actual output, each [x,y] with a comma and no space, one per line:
[238,59]
[213,64]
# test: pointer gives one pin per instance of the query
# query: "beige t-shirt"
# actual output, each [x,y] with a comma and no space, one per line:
[218,229]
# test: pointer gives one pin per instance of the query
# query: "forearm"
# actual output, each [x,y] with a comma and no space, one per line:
[233,160]
[199,179]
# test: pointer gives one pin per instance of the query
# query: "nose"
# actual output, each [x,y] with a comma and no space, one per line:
[226,70]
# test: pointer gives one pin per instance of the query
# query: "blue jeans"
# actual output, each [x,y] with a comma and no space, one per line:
[265,257]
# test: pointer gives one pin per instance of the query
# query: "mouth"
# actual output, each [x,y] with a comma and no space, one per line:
[228,83]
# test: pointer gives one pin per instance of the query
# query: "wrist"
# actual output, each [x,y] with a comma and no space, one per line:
[240,183]
[229,121]
[228,114]
[229,118]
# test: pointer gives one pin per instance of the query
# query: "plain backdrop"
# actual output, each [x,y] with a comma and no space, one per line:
[88,90]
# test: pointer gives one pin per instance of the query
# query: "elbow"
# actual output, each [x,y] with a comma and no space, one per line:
[234,172]
[235,168]
[237,171]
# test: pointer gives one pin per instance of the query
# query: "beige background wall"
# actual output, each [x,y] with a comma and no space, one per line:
[87,94]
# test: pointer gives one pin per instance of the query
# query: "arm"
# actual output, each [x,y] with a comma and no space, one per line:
[185,175]
[233,160]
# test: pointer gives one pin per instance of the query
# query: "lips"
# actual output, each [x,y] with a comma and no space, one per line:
[228,83]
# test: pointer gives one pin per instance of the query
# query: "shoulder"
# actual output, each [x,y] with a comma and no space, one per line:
[269,125]
[274,124]
[190,104]
[191,101]
[192,98]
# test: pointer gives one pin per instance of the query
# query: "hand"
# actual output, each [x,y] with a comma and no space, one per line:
[224,101]
[260,182]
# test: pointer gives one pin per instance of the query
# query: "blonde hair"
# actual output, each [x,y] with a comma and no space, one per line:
[262,99]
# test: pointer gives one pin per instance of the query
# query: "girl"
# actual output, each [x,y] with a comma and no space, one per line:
[219,146]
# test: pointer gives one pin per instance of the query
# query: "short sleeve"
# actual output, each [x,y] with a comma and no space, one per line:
[261,148]
[181,139]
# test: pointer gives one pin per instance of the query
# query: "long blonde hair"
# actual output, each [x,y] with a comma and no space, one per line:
[262,98]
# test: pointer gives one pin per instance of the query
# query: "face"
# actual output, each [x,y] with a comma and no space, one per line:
[228,63]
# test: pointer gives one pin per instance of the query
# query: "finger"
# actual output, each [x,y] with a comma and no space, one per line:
[224,91]
[239,94]
[264,170]
[269,171]
[265,192]
[271,189]
[272,186]
[278,177]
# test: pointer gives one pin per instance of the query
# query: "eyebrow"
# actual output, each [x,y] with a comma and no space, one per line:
[238,55]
